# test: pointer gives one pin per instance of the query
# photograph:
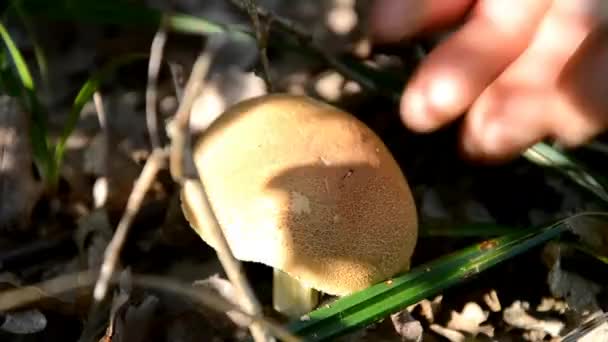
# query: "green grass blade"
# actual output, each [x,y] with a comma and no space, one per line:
[547,156]
[485,230]
[38,132]
[9,83]
[20,64]
[85,94]
[589,252]
[127,13]
[367,306]
[122,13]
[38,51]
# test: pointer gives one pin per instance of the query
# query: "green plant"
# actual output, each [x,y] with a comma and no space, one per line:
[379,301]
[16,80]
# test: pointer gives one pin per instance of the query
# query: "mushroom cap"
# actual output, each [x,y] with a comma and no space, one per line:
[306,188]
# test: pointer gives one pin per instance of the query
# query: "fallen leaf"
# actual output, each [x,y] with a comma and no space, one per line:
[24,322]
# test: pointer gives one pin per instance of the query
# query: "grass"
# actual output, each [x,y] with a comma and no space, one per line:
[545,155]
[85,94]
[16,73]
[379,301]
[348,313]
[23,86]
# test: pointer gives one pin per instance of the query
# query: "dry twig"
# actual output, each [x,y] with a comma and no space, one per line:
[201,209]
[15,298]
[177,75]
[305,38]
[156,56]
[231,265]
[101,113]
[112,252]
[182,117]
[261,34]
[101,195]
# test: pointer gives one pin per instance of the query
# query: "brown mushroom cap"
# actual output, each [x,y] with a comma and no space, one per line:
[306,188]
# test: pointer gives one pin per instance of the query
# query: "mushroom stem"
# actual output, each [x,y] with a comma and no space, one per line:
[290,297]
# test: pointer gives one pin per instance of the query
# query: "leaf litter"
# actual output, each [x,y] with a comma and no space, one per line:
[509,303]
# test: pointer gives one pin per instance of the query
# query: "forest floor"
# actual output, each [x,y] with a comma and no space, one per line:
[514,301]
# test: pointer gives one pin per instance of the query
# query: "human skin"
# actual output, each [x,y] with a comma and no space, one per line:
[519,71]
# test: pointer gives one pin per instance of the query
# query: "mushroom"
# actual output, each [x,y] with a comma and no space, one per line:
[309,190]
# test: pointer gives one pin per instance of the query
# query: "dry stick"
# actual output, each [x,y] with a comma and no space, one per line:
[103,123]
[307,39]
[16,298]
[112,252]
[285,24]
[182,117]
[101,113]
[156,56]
[255,11]
[261,34]
[201,210]
[177,75]
[231,265]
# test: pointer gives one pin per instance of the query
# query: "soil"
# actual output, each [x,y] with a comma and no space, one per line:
[67,233]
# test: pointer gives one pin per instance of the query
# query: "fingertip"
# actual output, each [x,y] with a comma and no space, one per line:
[435,97]
[414,111]
[501,125]
[493,144]
[491,147]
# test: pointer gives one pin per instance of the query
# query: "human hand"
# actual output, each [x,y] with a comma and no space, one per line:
[523,70]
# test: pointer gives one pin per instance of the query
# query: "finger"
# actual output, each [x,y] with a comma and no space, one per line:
[530,100]
[505,123]
[584,88]
[459,69]
[524,117]
[393,20]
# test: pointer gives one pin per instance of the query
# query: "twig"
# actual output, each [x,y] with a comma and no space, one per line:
[177,75]
[182,117]
[112,252]
[100,197]
[101,113]
[36,251]
[156,55]
[231,265]
[202,212]
[350,69]
[284,23]
[27,295]
[261,34]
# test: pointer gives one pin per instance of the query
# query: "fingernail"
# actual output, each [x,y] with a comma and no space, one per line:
[443,94]
[479,135]
[425,108]
[414,111]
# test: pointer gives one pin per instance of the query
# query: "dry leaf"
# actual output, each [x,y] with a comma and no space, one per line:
[24,322]
[407,327]
[19,191]
[516,316]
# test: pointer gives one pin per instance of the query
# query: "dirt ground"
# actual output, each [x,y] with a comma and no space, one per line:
[518,300]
